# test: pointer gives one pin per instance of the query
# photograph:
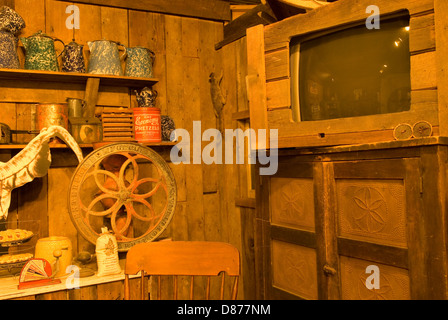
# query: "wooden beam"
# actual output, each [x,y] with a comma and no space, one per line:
[256,84]
[206,9]
[236,29]
[282,10]
[304,4]
[91,97]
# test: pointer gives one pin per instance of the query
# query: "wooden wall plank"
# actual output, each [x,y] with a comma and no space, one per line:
[277,64]
[212,217]
[193,177]
[173,82]
[31,211]
[84,293]
[8,116]
[422,33]
[34,22]
[58,295]
[111,291]
[55,18]
[423,71]
[441,25]
[278,94]
[434,217]
[59,221]
[208,9]
[210,63]
[174,63]
[337,14]
[151,36]
[256,81]
[185,57]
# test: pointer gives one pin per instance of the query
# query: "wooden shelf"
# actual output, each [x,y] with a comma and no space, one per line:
[63,146]
[65,77]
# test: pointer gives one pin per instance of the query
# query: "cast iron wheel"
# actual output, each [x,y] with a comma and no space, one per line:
[126,187]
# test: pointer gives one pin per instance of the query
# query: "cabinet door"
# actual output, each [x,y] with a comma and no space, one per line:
[289,233]
[376,204]
[326,225]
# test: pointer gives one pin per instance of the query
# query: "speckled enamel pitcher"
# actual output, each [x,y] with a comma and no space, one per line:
[41,52]
[73,58]
[105,57]
[139,62]
[8,50]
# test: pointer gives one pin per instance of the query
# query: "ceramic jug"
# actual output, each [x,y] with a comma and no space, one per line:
[41,52]
[8,51]
[58,251]
[139,62]
[73,58]
[146,97]
[105,57]
[11,21]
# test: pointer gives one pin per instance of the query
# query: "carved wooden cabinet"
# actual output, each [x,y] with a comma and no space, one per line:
[330,213]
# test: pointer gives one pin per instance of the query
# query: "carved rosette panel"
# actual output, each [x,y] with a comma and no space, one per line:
[394,282]
[292,203]
[294,269]
[372,210]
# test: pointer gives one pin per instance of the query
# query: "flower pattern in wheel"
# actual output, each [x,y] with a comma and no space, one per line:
[126,187]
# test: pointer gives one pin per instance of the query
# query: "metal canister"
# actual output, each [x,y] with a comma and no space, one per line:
[5,136]
[147,125]
[52,114]
[75,107]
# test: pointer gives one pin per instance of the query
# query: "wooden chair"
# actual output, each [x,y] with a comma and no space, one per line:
[183,258]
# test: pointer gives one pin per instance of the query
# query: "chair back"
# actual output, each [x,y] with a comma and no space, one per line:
[186,259]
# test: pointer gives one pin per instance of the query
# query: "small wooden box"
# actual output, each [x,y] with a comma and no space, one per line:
[118,124]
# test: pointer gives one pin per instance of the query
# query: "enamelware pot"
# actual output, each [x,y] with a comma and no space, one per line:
[105,57]
[73,58]
[41,52]
[139,62]
[146,97]
[8,50]
[11,21]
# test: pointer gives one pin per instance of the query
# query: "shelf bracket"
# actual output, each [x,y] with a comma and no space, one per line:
[91,97]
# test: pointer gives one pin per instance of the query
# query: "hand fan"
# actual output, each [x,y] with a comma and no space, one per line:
[35,273]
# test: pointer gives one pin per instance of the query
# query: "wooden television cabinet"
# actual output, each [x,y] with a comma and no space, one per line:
[347,195]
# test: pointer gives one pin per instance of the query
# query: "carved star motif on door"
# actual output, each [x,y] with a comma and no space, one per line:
[292,203]
[372,214]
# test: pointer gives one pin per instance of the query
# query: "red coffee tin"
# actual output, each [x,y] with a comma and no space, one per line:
[147,124]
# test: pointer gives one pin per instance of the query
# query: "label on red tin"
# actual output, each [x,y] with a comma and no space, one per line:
[147,125]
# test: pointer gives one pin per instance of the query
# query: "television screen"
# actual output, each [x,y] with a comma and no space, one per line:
[353,72]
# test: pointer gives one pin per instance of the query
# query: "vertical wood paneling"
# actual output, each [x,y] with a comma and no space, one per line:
[185,57]
[28,10]
[59,222]
[32,210]
[209,63]
[111,291]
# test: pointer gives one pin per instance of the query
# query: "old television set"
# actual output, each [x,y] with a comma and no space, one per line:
[353,72]
[330,80]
